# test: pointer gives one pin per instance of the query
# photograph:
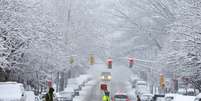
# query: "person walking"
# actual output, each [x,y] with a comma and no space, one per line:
[49,95]
[106,96]
[138,98]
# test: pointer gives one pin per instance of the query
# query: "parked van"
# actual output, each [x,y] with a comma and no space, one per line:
[12,91]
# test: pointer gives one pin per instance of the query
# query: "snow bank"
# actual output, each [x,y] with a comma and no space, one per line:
[79,98]
[30,96]
[91,83]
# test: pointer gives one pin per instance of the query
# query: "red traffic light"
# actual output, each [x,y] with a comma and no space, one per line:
[130,61]
[109,63]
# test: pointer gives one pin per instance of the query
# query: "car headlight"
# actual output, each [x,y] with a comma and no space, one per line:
[109,77]
[102,77]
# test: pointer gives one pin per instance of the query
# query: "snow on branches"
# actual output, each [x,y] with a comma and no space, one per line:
[182,50]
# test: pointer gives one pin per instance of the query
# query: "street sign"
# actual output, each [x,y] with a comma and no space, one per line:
[103,87]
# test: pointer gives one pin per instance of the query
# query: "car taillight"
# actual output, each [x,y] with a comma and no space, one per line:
[112,98]
[127,99]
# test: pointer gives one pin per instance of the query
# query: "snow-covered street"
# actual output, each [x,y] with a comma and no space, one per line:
[100,50]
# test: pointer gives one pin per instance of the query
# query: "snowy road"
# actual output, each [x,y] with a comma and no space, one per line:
[120,75]
[95,95]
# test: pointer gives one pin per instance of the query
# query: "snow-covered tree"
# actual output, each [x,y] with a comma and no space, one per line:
[182,51]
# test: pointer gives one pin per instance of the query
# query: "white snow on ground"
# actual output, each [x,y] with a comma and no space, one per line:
[30,96]
[86,91]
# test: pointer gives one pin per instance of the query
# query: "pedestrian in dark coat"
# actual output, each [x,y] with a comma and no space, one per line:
[49,95]
[138,98]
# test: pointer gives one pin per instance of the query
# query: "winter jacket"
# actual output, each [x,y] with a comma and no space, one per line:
[49,95]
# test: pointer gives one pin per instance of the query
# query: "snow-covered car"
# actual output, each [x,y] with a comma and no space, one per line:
[133,80]
[30,96]
[76,89]
[170,97]
[78,98]
[146,97]
[184,98]
[141,83]
[75,82]
[142,88]
[66,95]
[12,91]
[198,97]
[81,81]
[178,97]
[37,98]
[120,97]
[158,97]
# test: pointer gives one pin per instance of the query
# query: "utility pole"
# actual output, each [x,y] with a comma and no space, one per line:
[38,89]
[58,82]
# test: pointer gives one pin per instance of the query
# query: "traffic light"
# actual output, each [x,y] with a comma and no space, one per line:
[71,60]
[109,63]
[130,62]
[162,81]
[91,60]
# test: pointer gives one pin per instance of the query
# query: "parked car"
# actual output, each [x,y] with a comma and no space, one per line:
[12,91]
[198,97]
[133,80]
[146,97]
[170,97]
[66,95]
[142,88]
[184,98]
[120,97]
[75,88]
[37,98]
[189,91]
[158,97]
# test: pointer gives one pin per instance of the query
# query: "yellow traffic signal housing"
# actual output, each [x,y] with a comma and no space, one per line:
[71,60]
[91,60]
[162,81]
